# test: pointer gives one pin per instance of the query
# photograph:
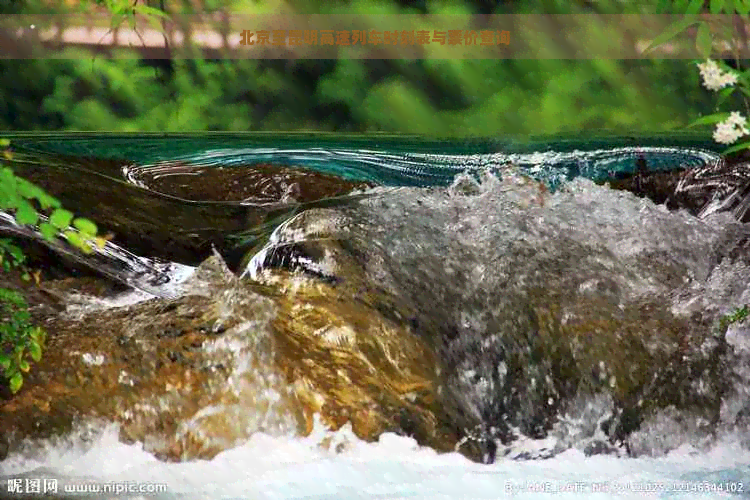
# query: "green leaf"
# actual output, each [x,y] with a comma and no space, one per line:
[116,20]
[724,66]
[704,41]
[15,252]
[4,143]
[118,6]
[35,350]
[32,191]
[27,189]
[716,6]
[4,361]
[24,366]
[724,95]
[672,31]
[86,226]
[37,335]
[61,218]
[738,147]
[155,24]
[694,7]
[48,231]
[47,201]
[26,214]
[710,119]
[16,381]
[742,7]
[75,239]
[150,11]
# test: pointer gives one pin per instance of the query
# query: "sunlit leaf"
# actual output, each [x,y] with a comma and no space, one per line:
[150,11]
[61,218]
[26,214]
[74,238]
[86,226]
[35,350]
[48,231]
[16,381]
[710,119]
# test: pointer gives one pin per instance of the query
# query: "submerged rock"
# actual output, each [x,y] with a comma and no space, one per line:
[193,376]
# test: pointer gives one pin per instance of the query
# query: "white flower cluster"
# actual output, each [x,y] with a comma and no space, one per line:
[714,78]
[731,129]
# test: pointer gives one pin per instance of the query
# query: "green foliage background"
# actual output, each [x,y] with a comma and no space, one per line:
[433,97]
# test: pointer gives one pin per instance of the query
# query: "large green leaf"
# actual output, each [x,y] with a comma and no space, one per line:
[704,41]
[710,119]
[672,31]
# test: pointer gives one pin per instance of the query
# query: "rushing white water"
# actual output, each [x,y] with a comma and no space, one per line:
[268,468]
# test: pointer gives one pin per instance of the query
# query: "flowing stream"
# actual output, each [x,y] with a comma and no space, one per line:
[574,325]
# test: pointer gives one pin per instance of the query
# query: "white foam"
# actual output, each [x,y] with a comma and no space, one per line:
[268,467]
[80,304]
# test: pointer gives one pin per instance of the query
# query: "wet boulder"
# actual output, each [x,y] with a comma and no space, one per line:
[535,302]
[196,375]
